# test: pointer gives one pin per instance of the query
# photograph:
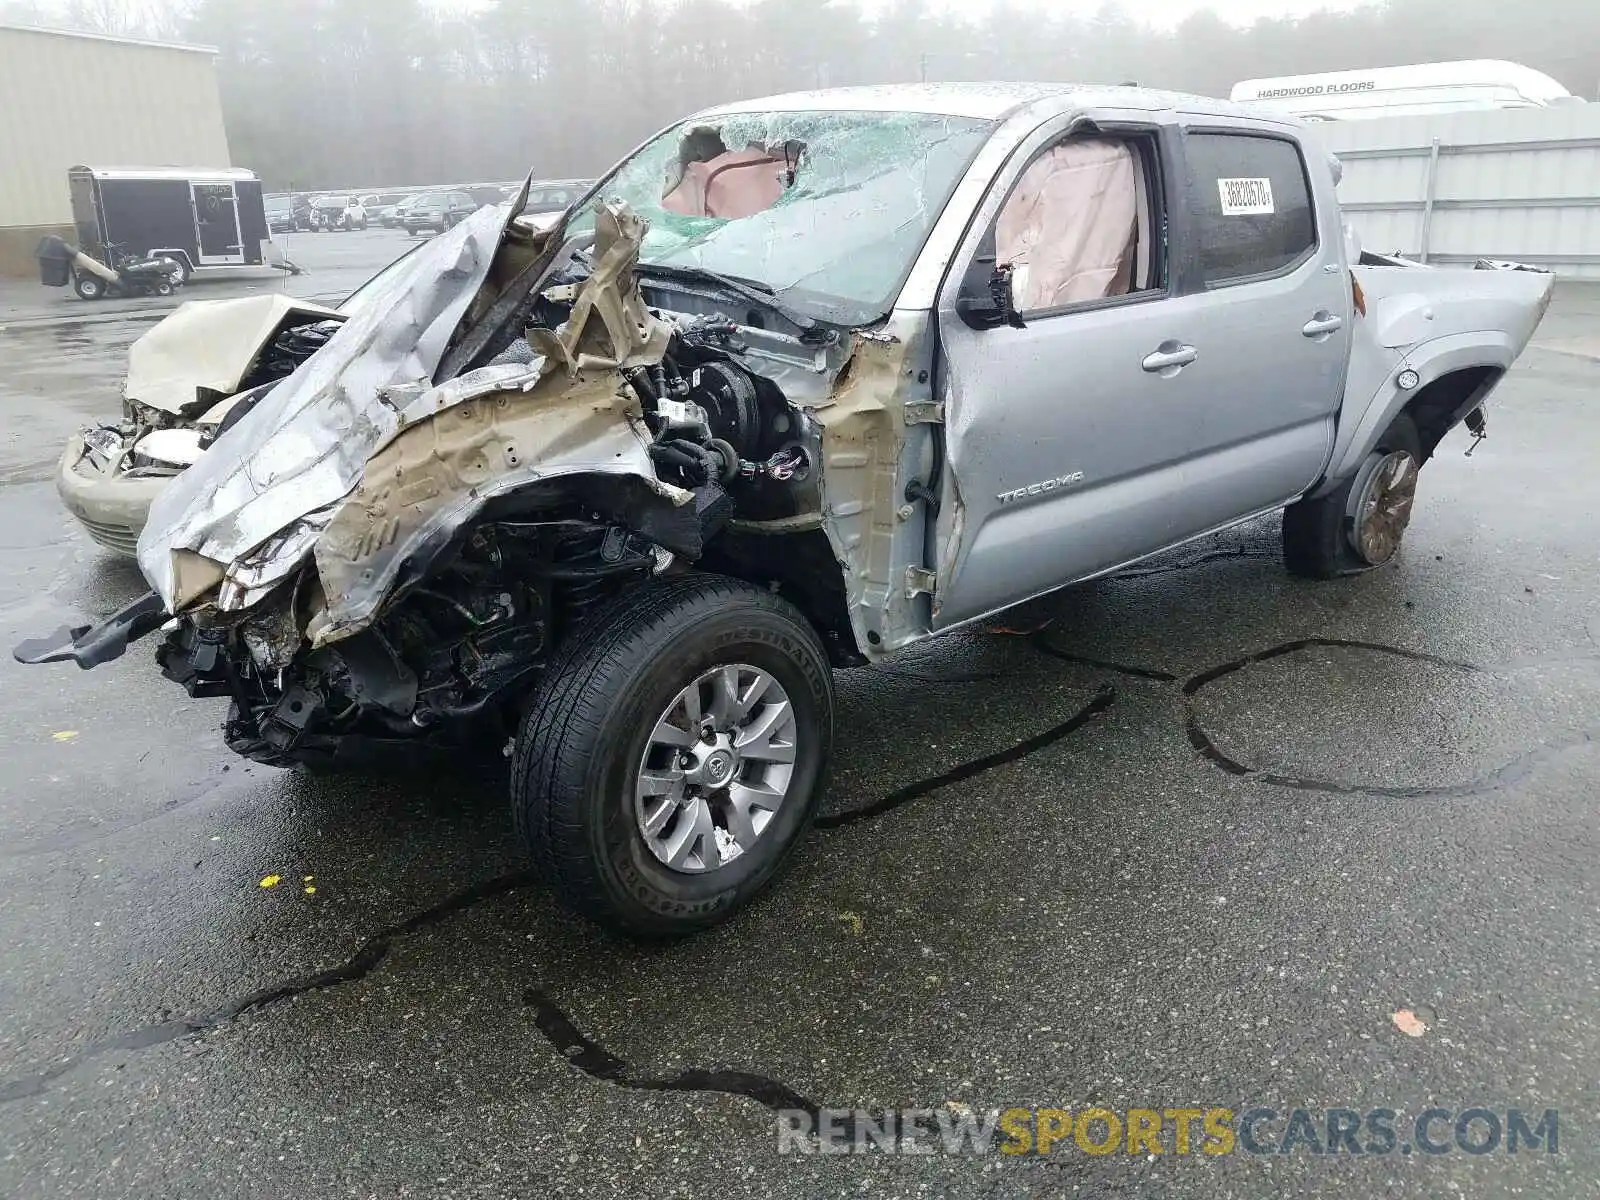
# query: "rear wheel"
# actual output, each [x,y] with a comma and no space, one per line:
[89,287]
[674,754]
[1359,525]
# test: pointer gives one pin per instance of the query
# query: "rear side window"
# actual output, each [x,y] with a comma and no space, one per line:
[1251,206]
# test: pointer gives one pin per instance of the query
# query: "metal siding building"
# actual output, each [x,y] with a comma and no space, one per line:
[73,98]
[1517,183]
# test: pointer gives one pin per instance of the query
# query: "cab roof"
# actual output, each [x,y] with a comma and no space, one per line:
[978,101]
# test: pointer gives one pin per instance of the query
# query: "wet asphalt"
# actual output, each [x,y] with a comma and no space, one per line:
[1190,836]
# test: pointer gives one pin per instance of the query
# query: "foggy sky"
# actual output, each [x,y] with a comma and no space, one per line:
[1158,13]
[364,94]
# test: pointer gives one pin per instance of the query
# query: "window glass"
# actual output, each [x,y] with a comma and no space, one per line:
[828,209]
[1251,205]
[1070,227]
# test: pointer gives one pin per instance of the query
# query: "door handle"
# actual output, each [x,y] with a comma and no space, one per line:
[1169,358]
[1321,325]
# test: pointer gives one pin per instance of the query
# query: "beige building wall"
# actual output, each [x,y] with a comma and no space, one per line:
[69,99]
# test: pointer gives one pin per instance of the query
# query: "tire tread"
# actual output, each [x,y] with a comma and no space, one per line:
[549,762]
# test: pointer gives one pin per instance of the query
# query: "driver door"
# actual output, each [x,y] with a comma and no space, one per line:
[1132,410]
[1065,437]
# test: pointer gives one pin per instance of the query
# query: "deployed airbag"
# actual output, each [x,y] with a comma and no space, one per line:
[1070,228]
[736,183]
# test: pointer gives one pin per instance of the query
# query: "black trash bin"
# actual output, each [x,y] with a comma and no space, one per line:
[55,262]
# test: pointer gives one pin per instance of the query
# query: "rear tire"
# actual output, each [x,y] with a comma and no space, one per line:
[654,835]
[1358,526]
[89,287]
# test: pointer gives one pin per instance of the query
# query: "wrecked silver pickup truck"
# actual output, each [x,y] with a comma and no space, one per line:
[803,381]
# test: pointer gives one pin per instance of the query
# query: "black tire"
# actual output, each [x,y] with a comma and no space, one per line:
[585,735]
[87,286]
[1317,533]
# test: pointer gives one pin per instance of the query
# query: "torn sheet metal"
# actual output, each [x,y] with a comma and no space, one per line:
[864,435]
[306,444]
[510,426]
[609,327]
[437,475]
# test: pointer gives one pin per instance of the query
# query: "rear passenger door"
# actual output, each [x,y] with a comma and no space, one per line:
[1275,316]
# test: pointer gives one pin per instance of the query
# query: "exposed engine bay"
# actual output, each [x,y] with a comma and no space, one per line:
[458,624]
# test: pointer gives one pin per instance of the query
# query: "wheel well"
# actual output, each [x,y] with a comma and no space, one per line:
[801,566]
[1438,407]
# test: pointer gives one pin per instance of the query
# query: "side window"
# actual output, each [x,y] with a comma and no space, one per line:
[1251,205]
[1080,225]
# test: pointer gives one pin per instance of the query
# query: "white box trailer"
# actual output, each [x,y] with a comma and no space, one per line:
[1418,90]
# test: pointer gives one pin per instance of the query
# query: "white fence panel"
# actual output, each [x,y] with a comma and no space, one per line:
[1513,183]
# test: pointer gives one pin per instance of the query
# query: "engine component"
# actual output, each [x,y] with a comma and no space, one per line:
[717,331]
[790,463]
[288,350]
[728,396]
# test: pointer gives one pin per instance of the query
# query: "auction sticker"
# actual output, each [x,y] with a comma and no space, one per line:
[1245,197]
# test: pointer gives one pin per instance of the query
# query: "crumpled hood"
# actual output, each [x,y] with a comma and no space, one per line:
[317,428]
[208,344]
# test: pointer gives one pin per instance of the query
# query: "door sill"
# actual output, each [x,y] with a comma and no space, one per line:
[966,622]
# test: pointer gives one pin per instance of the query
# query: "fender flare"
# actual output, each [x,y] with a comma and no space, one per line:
[1361,425]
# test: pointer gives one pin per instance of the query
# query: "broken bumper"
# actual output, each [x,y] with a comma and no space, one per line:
[91,645]
[113,509]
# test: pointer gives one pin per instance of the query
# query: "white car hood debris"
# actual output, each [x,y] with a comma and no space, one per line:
[209,345]
[303,448]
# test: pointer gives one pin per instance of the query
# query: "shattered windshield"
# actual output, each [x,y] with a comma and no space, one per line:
[827,209]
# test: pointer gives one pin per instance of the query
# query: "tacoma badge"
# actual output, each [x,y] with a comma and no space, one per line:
[1042,488]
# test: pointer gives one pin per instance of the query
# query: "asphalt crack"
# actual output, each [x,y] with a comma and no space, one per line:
[362,963]
[556,1026]
[595,1060]
[1103,699]
[1206,746]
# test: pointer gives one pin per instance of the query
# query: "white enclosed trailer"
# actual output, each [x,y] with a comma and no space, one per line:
[1418,90]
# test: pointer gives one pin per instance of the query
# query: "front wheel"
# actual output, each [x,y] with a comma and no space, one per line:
[1359,524]
[89,287]
[674,754]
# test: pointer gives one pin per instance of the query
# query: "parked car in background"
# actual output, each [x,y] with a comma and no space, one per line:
[288,213]
[438,211]
[394,217]
[486,193]
[554,195]
[381,205]
[332,210]
[354,216]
